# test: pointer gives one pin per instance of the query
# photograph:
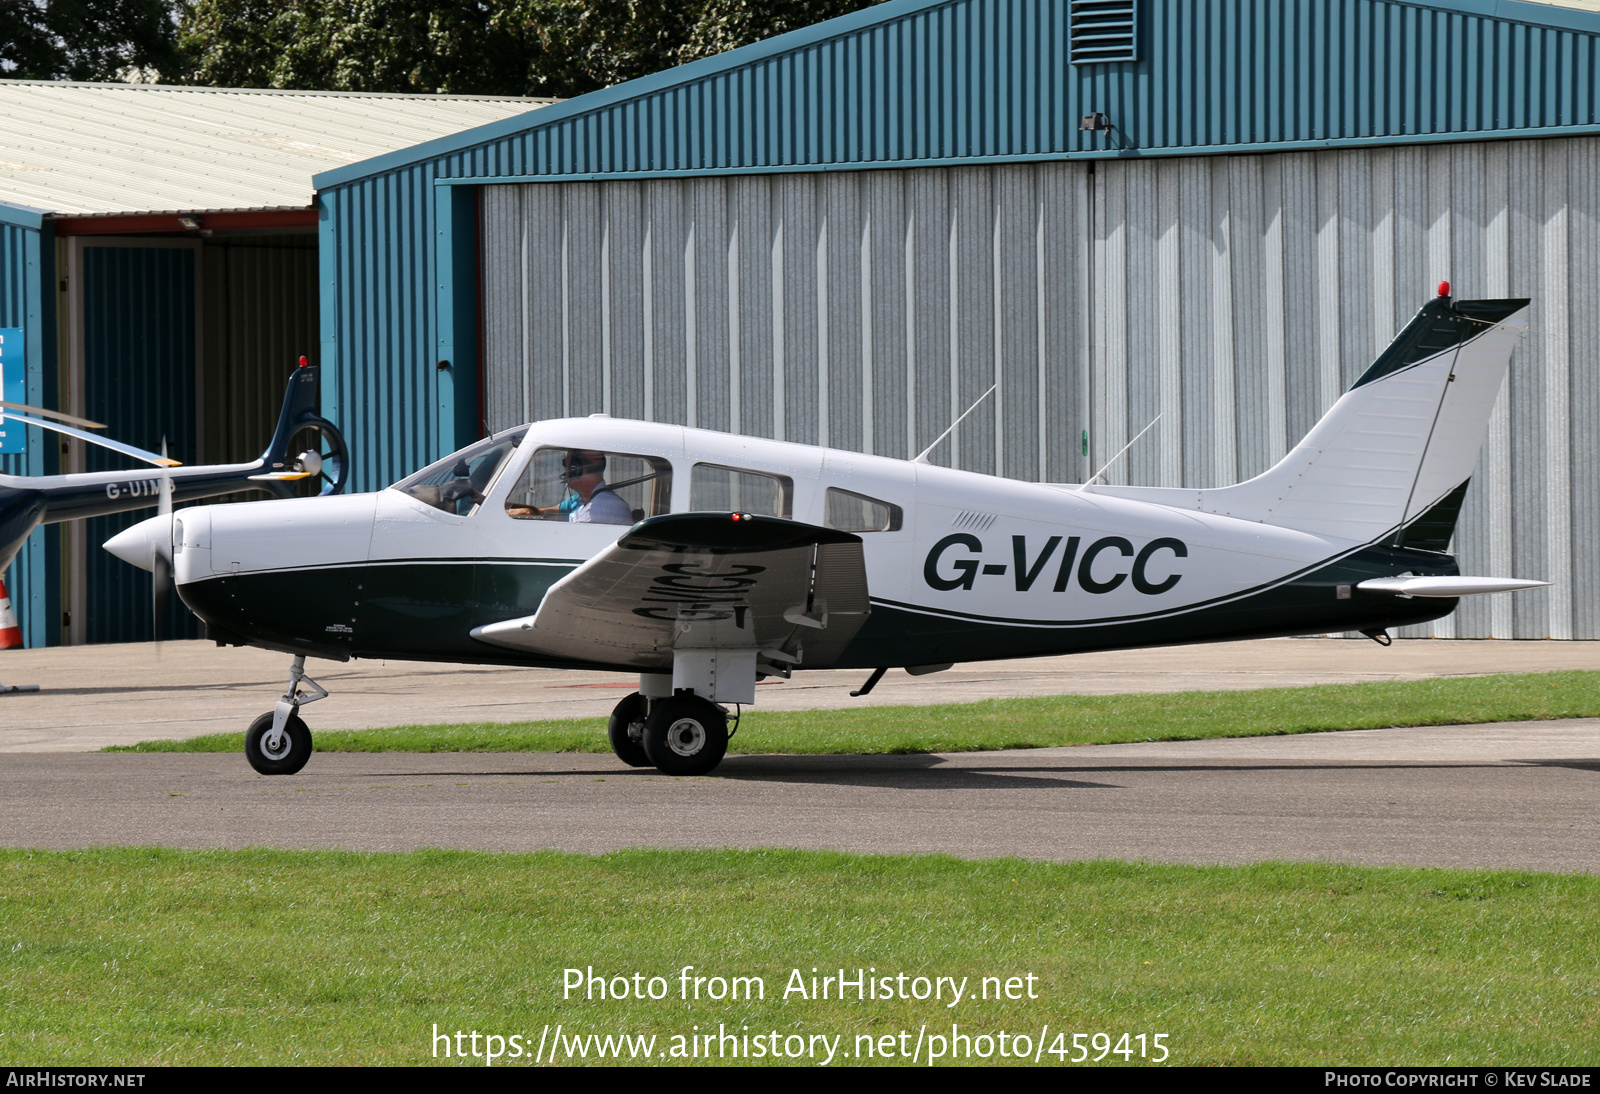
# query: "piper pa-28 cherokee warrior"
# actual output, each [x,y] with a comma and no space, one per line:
[705,561]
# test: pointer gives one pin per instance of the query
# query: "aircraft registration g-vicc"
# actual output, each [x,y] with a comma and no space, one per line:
[704,561]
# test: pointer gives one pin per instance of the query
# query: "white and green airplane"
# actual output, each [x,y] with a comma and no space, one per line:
[705,561]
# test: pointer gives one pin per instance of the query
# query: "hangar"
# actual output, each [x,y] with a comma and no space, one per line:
[1209,210]
[159,253]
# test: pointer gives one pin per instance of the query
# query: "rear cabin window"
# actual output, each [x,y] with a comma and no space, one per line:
[717,489]
[847,511]
[590,486]
[457,483]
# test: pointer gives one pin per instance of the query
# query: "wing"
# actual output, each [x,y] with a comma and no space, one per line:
[795,592]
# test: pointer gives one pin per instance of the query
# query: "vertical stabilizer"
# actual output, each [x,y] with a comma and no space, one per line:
[1402,440]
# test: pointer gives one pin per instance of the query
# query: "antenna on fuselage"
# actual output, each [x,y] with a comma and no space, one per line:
[922,457]
[1090,480]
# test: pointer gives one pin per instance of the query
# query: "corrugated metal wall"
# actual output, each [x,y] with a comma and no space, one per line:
[973,79]
[23,304]
[377,270]
[1236,296]
[861,311]
[911,82]
[139,379]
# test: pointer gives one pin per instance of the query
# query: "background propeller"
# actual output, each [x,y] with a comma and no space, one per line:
[161,554]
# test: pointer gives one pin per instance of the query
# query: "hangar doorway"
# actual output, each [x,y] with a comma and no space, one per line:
[178,338]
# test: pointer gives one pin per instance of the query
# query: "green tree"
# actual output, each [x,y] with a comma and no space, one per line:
[349,45]
[728,24]
[509,47]
[98,40]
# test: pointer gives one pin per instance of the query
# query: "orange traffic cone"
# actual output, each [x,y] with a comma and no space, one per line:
[10,632]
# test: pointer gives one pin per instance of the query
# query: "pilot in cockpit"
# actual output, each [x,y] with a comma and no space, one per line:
[583,471]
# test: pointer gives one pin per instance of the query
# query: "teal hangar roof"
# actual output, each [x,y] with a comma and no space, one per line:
[916,82]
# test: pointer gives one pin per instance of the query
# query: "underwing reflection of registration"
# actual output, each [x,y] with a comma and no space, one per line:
[716,560]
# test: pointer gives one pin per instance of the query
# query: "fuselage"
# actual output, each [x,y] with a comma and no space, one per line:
[960,566]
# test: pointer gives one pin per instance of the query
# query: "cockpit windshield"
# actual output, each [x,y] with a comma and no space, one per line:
[456,484]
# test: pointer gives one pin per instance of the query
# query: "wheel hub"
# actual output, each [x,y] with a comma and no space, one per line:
[275,750]
[686,737]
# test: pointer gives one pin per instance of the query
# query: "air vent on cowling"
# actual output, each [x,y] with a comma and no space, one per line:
[1103,31]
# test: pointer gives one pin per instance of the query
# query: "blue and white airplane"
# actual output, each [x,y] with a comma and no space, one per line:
[705,561]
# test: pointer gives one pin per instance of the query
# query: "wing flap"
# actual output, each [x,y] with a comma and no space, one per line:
[702,581]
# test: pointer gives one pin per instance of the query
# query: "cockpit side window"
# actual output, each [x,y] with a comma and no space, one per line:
[457,483]
[848,511]
[590,486]
[717,489]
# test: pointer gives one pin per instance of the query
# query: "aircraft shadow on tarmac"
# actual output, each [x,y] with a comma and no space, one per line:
[927,772]
[1574,765]
[900,772]
[930,772]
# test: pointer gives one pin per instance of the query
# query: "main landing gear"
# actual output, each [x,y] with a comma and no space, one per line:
[681,734]
[278,742]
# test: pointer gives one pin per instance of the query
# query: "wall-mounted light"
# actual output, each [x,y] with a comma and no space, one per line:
[1094,123]
[191,223]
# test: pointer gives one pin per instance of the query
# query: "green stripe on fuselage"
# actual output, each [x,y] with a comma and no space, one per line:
[425,611]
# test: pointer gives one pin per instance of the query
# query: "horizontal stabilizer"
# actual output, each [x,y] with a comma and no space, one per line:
[793,591]
[1447,586]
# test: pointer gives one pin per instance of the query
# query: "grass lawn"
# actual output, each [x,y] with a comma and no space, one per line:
[1025,723]
[138,956]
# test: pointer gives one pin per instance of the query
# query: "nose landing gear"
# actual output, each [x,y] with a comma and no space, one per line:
[278,742]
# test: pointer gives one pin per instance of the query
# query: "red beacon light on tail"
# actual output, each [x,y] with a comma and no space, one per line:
[304,362]
[1444,290]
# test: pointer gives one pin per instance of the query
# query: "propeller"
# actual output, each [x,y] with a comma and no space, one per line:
[161,552]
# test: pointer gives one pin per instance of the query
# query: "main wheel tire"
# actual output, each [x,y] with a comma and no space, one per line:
[626,730]
[686,735]
[294,751]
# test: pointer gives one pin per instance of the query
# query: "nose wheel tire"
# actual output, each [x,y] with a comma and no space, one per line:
[293,750]
[626,731]
[686,735]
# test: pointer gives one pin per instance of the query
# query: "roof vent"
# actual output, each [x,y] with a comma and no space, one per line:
[1103,31]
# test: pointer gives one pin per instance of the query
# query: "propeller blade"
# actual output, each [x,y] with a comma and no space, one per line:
[164,504]
[103,442]
[160,590]
[161,553]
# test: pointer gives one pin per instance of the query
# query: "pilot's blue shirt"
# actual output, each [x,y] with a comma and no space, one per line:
[604,508]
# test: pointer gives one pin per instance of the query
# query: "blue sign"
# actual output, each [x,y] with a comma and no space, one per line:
[13,388]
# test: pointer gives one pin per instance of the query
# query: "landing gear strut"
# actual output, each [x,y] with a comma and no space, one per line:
[278,742]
